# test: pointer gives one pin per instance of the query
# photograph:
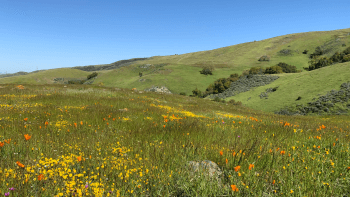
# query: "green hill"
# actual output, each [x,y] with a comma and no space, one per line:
[180,73]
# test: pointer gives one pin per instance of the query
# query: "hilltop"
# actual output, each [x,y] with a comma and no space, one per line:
[180,73]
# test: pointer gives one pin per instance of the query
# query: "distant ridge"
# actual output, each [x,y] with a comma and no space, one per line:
[111,66]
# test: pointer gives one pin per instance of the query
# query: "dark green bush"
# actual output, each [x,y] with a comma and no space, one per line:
[317,63]
[256,71]
[347,51]
[197,93]
[338,57]
[343,45]
[273,70]
[183,93]
[346,58]
[94,74]
[305,51]
[264,58]
[206,71]
[286,68]
[233,102]
[76,81]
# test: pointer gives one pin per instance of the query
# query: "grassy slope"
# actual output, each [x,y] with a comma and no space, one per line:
[45,77]
[182,72]
[291,85]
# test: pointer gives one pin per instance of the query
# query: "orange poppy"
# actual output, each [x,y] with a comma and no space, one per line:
[25,119]
[282,152]
[221,153]
[226,161]
[237,168]
[79,158]
[273,182]
[40,177]
[251,166]
[27,137]
[2,144]
[19,164]
[7,141]
[46,123]
[234,188]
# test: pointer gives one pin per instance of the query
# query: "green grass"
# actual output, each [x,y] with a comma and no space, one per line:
[97,141]
[292,85]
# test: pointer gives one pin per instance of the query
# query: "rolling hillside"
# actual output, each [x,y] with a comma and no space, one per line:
[180,73]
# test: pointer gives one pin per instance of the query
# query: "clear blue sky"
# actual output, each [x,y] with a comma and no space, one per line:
[45,34]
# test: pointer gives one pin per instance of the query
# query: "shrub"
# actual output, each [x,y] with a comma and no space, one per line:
[317,63]
[217,99]
[343,45]
[305,51]
[197,93]
[347,51]
[256,70]
[346,58]
[264,58]
[233,102]
[94,74]
[286,68]
[140,74]
[337,57]
[273,70]
[318,51]
[285,52]
[76,81]
[207,71]
[183,93]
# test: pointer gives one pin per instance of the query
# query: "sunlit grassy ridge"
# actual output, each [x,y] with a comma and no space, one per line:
[181,74]
[88,140]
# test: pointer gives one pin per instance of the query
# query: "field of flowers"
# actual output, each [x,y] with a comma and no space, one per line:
[96,141]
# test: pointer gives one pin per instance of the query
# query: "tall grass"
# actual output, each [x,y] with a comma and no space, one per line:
[97,141]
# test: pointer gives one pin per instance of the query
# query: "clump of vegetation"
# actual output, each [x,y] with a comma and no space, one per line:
[220,85]
[207,71]
[264,58]
[196,93]
[218,99]
[305,51]
[343,45]
[256,70]
[318,62]
[233,102]
[285,52]
[286,68]
[183,93]
[273,70]
[94,74]
[76,81]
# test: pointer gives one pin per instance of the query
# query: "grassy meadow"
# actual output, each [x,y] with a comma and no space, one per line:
[87,140]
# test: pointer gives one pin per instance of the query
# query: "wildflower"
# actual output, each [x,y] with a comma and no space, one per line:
[40,177]
[79,158]
[251,166]
[348,168]
[237,168]
[226,161]
[221,153]
[86,186]
[7,141]
[46,123]
[282,152]
[273,182]
[2,144]
[291,191]
[25,119]
[19,164]
[7,194]
[234,188]
[27,137]
[11,189]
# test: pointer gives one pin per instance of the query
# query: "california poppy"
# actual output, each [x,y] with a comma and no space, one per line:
[251,166]
[237,168]
[19,164]
[40,177]
[234,188]
[27,137]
